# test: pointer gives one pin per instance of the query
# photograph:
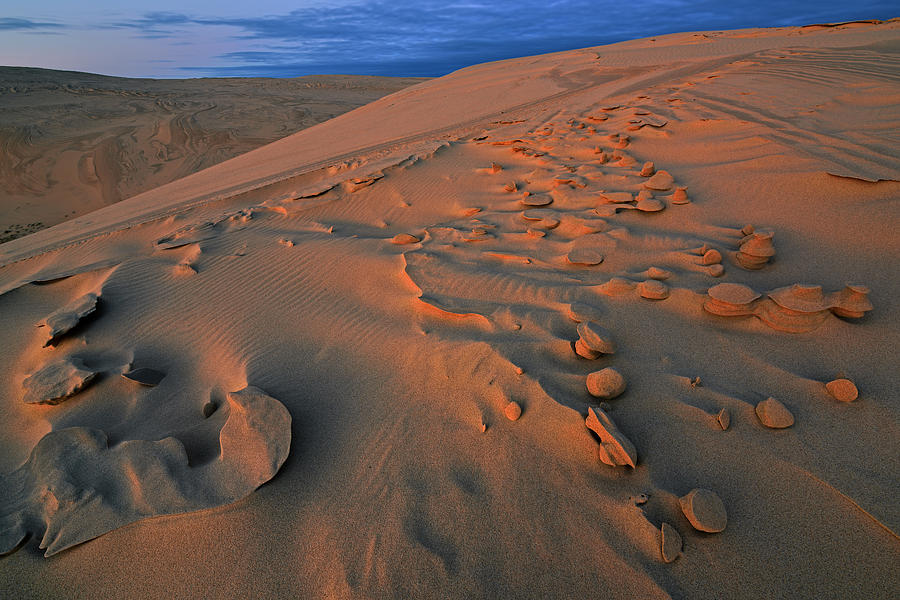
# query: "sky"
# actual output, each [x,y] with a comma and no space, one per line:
[426,38]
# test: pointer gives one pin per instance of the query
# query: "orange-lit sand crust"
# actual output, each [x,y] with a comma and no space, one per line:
[354,366]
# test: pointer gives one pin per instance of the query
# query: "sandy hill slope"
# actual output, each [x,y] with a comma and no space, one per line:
[618,322]
[75,142]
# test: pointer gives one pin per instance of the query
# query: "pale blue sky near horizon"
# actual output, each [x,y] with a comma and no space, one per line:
[283,38]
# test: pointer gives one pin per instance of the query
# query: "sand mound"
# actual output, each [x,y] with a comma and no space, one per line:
[670,543]
[606,383]
[62,321]
[57,381]
[615,449]
[842,389]
[773,414]
[75,487]
[705,511]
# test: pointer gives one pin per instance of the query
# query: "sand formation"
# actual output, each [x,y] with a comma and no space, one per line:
[513,411]
[57,381]
[593,341]
[795,308]
[756,249]
[65,319]
[606,384]
[723,418]
[405,238]
[842,389]
[705,510]
[75,487]
[670,543]
[773,414]
[41,498]
[614,449]
[475,264]
[586,257]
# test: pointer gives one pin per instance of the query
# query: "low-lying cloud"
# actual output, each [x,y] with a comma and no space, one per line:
[29,25]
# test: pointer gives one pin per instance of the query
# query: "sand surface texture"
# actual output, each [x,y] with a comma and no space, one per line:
[466,342]
[71,143]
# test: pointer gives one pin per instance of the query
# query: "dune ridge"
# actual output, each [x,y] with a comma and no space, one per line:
[541,327]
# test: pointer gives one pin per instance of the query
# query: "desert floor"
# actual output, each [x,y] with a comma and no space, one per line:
[71,143]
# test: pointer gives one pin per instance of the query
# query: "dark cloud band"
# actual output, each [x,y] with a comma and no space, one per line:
[28,25]
[432,37]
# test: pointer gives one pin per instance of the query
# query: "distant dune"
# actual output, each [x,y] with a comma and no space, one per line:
[618,322]
[75,142]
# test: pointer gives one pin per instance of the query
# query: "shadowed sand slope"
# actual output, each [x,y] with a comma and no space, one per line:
[616,321]
[75,142]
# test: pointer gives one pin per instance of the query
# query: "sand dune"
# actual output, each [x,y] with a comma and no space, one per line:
[616,321]
[75,142]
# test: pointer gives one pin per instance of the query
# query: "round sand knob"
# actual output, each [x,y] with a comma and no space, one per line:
[774,414]
[670,543]
[661,181]
[606,383]
[759,244]
[704,510]
[843,390]
[716,270]
[536,200]
[587,257]
[596,338]
[584,351]
[723,419]
[649,204]
[405,238]
[733,294]
[711,257]
[680,196]
[513,411]
[581,312]
[800,297]
[657,273]
[653,290]
[852,302]
[616,286]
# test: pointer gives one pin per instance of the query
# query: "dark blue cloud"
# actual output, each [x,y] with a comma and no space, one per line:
[28,25]
[431,38]
[154,25]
